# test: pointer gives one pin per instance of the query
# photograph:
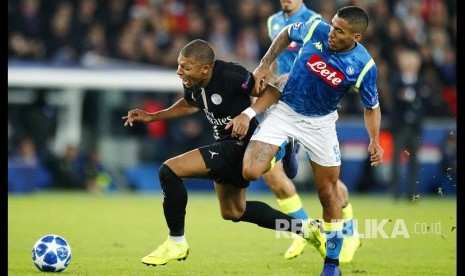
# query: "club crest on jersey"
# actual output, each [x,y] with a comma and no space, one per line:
[327,73]
[350,70]
[216,99]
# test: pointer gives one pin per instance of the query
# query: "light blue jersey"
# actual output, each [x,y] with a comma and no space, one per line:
[276,22]
[320,76]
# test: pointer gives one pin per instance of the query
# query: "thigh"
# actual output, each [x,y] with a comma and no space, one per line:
[224,162]
[319,138]
[277,126]
[325,176]
[188,165]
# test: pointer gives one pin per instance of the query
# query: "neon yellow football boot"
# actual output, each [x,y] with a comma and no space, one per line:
[167,252]
[315,237]
[349,246]
[296,248]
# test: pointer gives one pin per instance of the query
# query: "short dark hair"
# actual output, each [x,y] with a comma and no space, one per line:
[356,17]
[200,50]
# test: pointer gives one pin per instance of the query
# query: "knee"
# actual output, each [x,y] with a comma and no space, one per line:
[250,173]
[164,171]
[328,196]
[343,192]
[166,175]
[232,214]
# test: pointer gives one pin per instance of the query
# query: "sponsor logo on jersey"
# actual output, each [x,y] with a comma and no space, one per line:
[318,45]
[216,121]
[296,25]
[212,153]
[328,74]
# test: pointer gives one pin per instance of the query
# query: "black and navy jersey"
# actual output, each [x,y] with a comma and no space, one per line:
[226,96]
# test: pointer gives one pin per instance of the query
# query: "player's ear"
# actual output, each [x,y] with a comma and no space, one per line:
[206,68]
[357,37]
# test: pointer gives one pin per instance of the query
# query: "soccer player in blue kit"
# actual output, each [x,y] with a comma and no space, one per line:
[295,11]
[222,90]
[331,63]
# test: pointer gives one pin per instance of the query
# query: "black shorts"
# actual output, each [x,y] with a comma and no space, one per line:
[224,159]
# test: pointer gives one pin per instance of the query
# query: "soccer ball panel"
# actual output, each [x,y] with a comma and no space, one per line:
[51,253]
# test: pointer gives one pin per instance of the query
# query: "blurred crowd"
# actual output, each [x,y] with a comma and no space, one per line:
[85,32]
[89,33]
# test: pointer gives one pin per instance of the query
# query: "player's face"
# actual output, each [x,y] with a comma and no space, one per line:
[291,6]
[192,72]
[341,36]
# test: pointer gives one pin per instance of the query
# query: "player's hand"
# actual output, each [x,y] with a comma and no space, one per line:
[261,75]
[136,115]
[240,126]
[376,154]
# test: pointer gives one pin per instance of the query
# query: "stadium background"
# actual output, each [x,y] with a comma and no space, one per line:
[76,67]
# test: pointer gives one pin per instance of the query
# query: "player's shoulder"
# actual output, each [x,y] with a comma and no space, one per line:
[226,66]
[276,15]
[229,71]
[361,53]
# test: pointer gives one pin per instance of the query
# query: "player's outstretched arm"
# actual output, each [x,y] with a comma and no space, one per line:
[179,109]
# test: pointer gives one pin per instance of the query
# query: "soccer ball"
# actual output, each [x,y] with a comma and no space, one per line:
[51,253]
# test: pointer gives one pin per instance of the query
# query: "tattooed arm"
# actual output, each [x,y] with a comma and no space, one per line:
[262,72]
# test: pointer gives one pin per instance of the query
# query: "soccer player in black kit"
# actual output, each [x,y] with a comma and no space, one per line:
[223,91]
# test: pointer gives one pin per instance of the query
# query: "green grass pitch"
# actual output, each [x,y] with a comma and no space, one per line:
[109,234]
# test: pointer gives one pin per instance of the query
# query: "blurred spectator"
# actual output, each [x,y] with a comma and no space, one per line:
[98,177]
[410,95]
[61,45]
[156,147]
[448,72]
[29,21]
[197,27]
[115,17]
[37,121]
[94,46]
[67,170]
[26,27]
[448,169]
[86,16]
[26,171]
[220,37]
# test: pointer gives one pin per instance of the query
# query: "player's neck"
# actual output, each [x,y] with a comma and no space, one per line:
[292,12]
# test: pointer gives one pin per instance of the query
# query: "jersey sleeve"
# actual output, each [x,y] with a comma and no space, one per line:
[368,89]
[302,31]
[269,23]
